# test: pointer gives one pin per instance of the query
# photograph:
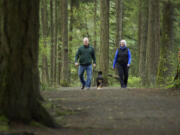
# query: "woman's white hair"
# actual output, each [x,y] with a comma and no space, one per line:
[85,39]
[123,41]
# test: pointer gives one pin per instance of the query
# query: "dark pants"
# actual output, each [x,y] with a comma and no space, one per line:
[123,74]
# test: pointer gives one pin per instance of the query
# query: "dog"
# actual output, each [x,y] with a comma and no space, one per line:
[99,80]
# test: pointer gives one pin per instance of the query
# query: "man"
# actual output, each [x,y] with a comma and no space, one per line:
[122,61]
[84,57]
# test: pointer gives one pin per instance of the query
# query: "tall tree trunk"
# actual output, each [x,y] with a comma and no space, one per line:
[73,5]
[55,42]
[153,41]
[52,41]
[59,42]
[95,38]
[142,38]
[166,63]
[19,81]
[65,66]
[119,21]
[44,18]
[104,39]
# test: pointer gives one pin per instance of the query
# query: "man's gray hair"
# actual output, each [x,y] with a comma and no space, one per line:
[85,39]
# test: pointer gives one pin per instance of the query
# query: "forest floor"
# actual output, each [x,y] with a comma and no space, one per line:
[112,111]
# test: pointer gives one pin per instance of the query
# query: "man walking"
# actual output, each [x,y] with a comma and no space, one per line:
[84,57]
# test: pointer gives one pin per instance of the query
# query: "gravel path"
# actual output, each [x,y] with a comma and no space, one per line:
[115,111]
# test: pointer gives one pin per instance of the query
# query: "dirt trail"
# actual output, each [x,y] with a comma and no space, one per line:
[114,111]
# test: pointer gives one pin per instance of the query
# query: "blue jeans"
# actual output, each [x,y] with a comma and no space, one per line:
[88,70]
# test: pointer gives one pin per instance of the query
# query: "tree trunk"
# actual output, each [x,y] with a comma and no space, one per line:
[52,41]
[142,38]
[44,18]
[65,66]
[55,42]
[119,21]
[73,5]
[152,55]
[95,38]
[104,39]
[59,62]
[166,55]
[19,81]
[177,77]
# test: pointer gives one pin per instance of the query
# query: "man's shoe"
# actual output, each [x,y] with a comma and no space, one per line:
[87,88]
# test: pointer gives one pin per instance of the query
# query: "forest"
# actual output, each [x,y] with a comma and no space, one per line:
[150,28]
[40,38]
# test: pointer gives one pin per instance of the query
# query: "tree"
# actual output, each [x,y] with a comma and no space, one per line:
[104,39]
[166,60]
[119,21]
[44,21]
[59,47]
[52,41]
[55,40]
[64,23]
[95,37]
[142,38]
[153,41]
[19,81]
[177,77]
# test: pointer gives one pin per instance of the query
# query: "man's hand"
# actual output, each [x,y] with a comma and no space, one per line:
[94,65]
[76,64]
[128,65]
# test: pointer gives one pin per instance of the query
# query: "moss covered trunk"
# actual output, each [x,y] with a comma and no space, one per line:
[177,77]
[104,39]
[166,54]
[153,42]
[142,38]
[44,21]
[65,51]
[19,81]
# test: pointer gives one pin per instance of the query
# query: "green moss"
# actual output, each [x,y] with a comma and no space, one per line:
[36,124]
[3,124]
[65,112]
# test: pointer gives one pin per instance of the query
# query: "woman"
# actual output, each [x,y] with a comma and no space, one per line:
[122,61]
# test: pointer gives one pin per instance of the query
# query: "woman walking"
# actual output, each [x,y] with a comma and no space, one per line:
[122,61]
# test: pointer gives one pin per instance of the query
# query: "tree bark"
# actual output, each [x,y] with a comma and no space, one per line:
[119,21]
[59,51]
[153,41]
[44,18]
[65,65]
[104,39]
[55,42]
[73,6]
[52,41]
[177,77]
[166,55]
[19,81]
[95,38]
[142,38]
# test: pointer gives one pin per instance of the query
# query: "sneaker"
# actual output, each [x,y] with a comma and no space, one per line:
[87,88]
